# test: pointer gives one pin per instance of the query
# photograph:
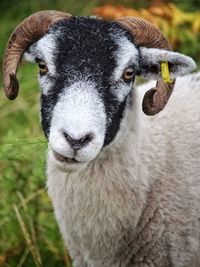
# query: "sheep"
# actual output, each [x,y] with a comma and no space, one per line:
[125,186]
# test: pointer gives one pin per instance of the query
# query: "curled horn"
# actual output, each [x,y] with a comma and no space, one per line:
[147,35]
[26,33]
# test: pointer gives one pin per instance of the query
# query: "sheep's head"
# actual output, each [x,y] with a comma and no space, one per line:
[87,68]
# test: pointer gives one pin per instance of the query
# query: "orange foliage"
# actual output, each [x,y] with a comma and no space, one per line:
[167,17]
[2,259]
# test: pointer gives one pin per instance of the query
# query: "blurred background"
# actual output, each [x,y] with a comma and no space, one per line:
[29,235]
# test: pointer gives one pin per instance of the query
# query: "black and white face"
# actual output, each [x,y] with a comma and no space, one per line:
[87,69]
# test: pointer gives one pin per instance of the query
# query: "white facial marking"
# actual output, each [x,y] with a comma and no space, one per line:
[47,46]
[29,56]
[126,55]
[45,84]
[121,91]
[44,49]
[78,112]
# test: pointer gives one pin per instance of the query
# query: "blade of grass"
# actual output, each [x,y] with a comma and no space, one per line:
[67,259]
[29,241]
[33,234]
[21,197]
[38,141]
[23,257]
[30,151]
[31,196]
[30,221]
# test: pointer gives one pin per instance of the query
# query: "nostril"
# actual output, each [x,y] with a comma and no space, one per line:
[86,139]
[78,143]
[68,137]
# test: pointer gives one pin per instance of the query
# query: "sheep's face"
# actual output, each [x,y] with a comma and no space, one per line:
[87,68]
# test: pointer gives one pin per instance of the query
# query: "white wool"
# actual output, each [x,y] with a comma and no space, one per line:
[140,193]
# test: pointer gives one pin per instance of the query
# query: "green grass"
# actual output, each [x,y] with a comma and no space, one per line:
[29,235]
[22,182]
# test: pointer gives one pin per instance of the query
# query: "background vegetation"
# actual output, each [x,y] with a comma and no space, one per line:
[28,233]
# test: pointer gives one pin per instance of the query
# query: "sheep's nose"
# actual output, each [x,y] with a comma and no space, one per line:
[76,144]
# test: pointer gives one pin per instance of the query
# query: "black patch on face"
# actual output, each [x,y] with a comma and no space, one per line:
[85,49]
[113,128]
[47,104]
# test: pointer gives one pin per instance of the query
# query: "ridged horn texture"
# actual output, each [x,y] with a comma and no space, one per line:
[26,33]
[147,35]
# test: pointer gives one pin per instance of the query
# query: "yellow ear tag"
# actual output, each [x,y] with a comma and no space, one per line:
[165,72]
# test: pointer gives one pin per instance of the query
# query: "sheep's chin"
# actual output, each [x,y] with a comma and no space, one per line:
[64,159]
[67,164]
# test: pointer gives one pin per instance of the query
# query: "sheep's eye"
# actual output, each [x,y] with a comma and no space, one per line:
[43,67]
[128,74]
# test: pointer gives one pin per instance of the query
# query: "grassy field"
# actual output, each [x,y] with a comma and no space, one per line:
[29,235]
[22,182]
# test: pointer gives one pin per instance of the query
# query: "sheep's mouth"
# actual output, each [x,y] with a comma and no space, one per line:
[64,159]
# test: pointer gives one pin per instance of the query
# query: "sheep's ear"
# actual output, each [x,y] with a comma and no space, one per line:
[151,59]
[31,53]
